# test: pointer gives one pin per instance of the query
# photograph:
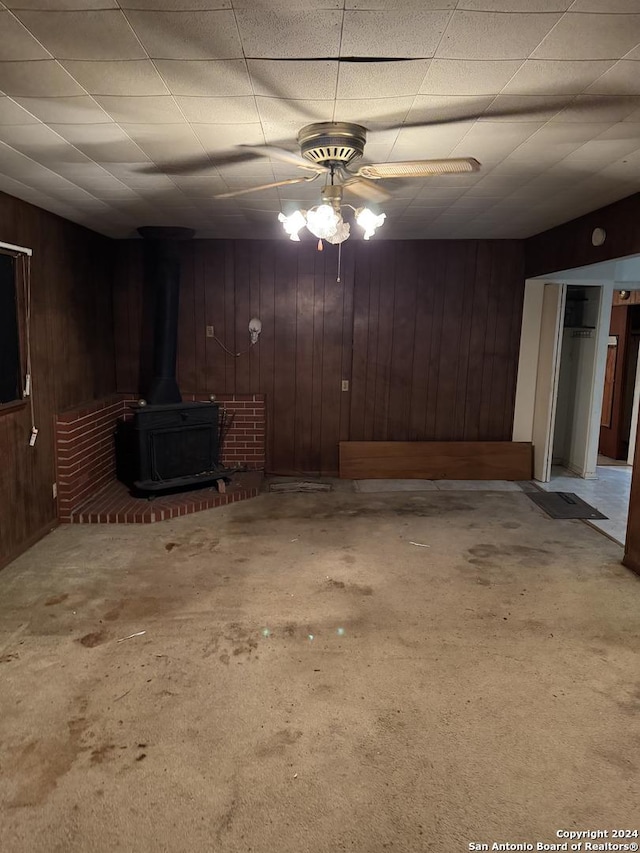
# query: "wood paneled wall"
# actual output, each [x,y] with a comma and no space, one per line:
[569,245]
[436,337]
[426,333]
[72,359]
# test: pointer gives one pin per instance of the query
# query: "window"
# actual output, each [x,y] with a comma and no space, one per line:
[10,369]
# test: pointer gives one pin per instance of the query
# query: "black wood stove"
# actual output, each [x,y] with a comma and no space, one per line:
[165,444]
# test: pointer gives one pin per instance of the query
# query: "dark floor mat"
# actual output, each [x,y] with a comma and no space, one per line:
[564,505]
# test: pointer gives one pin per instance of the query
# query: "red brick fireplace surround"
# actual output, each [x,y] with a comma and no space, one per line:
[88,491]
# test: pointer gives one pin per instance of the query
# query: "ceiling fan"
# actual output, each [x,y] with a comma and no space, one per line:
[332,148]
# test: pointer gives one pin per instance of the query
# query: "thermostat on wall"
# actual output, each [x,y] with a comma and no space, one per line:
[598,236]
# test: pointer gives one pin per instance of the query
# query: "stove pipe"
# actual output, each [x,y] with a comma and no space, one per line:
[162,270]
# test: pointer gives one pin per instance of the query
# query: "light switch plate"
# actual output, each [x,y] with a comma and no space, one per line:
[345,384]
[209,331]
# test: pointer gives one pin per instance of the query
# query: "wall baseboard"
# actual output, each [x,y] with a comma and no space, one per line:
[28,543]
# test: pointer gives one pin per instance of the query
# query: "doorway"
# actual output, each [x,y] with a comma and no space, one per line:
[588,378]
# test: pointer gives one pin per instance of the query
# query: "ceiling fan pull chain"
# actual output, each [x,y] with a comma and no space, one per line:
[339,262]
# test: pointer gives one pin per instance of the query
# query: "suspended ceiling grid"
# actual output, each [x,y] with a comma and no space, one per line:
[104,105]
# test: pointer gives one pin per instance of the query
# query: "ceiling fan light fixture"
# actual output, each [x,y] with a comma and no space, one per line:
[323,221]
[342,233]
[369,221]
[293,224]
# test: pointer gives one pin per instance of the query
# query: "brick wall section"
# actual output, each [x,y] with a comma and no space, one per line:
[85,456]
[85,452]
[245,442]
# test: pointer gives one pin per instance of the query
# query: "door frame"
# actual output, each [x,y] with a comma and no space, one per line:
[539,365]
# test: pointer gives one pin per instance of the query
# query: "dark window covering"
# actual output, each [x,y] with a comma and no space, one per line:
[9,334]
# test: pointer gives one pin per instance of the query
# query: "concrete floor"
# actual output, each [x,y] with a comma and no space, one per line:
[310,680]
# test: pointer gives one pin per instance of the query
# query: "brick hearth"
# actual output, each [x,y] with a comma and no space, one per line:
[114,504]
[88,491]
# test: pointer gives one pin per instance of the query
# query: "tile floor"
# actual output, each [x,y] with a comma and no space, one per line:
[609,493]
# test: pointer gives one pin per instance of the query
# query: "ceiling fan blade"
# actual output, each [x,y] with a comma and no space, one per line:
[285,157]
[234,193]
[366,189]
[419,168]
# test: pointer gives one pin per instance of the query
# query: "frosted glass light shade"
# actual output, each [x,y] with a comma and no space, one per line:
[293,224]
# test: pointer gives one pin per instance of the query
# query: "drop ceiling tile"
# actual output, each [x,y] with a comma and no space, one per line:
[541,155]
[203,187]
[381,134]
[299,80]
[134,77]
[623,78]
[283,134]
[598,36]
[90,176]
[400,5]
[578,132]
[494,187]
[116,194]
[102,142]
[633,118]
[167,143]
[143,109]
[275,110]
[428,194]
[175,5]
[602,152]
[373,33]
[219,110]
[17,42]
[41,79]
[526,108]
[269,35]
[136,176]
[212,78]
[518,6]
[488,35]
[260,169]
[489,140]
[621,130]
[377,153]
[387,110]
[612,6]
[79,109]
[466,205]
[42,143]
[221,137]
[439,108]
[13,113]
[437,141]
[61,5]
[598,109]
[93,35]
[360,80]
[247,183]
[266,201]
[188,35]
[556,77]
[468,77]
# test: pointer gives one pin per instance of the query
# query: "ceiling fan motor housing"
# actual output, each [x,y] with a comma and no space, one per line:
[332,142]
